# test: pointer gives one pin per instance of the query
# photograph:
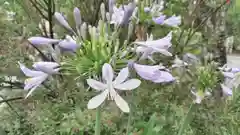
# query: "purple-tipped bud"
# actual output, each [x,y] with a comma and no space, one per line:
[77,17]
[128,13]
[111,4]
[62,20]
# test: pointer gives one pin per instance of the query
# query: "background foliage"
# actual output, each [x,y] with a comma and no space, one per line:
[157,109]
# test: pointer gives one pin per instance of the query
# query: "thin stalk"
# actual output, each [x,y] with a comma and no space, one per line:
[98,122]
[11,99]
[130,114]
[187,119]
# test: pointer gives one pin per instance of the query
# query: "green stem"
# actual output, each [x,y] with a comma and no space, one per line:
[130,113]
[187,119]
[98,122]
[129,122]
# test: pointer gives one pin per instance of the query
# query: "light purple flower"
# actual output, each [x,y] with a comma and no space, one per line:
[38,76]
[159,20]
[153,73]
[107,88]
[147,9]
[46,67]
[42,41]
[173,21]
[122,14]
[228,75]
[149,47]
[235,70]
[68,44]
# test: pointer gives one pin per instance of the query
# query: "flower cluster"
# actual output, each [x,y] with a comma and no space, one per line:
[104,57]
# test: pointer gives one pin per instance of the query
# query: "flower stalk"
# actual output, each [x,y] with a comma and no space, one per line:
[98,122]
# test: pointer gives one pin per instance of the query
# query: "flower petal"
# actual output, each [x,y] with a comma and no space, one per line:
[147,72]
[122,76]
[198,99]
[163,76]
[97,100]
[107,72]
[96,84]
[121,103]
[31,91]
[28,72]
[35,81]
[42,41]
[226,90]
[173,21]
[163,43]
[162,51]
[128,85]
[160,19]
[228,75]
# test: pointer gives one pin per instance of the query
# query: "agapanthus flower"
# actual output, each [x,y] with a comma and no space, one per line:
[200,95]
[36,77]
[159,20]
[154,73]
[68,44]
[230,80]
[122,14]
[108,86]
[149,47]
[173,21]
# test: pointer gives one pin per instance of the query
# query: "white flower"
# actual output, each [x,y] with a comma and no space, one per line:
[108,88]
[200,95]
[149,47]
[179,63]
